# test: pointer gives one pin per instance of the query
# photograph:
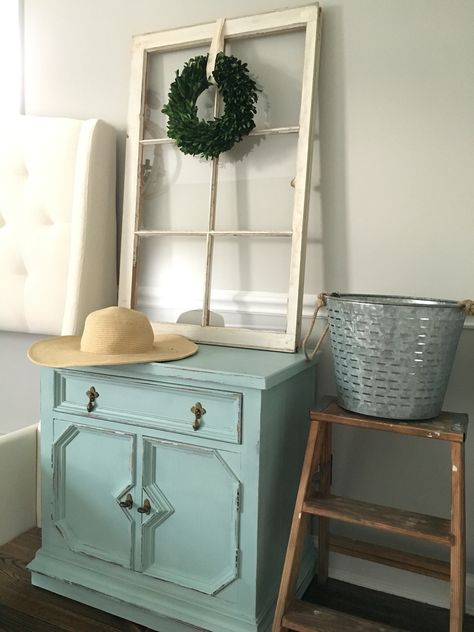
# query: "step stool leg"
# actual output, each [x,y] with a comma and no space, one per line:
[323,523]
[299,525]
[458,547]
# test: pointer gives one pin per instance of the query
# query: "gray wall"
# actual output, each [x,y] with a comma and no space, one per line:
[396,136]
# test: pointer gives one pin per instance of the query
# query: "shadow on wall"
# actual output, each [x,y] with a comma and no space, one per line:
[332,101]
[333,252]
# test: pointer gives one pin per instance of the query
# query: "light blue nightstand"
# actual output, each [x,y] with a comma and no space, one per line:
[169,503]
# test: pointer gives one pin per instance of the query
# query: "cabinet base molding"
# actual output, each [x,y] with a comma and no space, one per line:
[111,605]
[66,582]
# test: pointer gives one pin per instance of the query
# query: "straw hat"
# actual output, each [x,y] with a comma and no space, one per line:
[114,335]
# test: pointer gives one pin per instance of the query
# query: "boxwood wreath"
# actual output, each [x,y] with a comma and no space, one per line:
[208,139]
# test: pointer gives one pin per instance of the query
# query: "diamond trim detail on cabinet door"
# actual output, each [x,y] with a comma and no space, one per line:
[197,544]
[162,508]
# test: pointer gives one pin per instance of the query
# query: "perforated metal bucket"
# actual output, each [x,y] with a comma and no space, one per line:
[392,354]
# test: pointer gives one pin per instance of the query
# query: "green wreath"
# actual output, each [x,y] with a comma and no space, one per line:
[239,92]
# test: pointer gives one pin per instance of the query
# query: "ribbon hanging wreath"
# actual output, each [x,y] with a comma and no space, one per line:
[208,139]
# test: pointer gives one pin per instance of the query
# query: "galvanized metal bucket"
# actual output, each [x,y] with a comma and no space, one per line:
[393,354]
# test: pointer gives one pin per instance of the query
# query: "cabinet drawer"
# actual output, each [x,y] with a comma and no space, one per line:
[153,404]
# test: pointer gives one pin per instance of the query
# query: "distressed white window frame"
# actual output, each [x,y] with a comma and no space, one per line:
[306,19]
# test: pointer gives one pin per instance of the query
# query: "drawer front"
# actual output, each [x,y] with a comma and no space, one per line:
[153,404]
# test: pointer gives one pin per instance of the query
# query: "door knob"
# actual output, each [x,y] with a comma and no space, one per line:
[146,507]
[128,502]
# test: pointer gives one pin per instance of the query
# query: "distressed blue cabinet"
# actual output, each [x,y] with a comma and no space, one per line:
[168,500]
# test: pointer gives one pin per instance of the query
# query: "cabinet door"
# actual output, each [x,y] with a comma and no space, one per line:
[190,536]
[93,470]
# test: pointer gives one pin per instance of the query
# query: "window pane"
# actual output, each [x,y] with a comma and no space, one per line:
[175,190]
[250,279]
[161,72]
[170,277]
[254,191]
[276,64]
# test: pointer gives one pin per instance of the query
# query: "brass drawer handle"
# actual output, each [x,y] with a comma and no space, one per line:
[92,394]
[146,507]
[128,502]
[198,411]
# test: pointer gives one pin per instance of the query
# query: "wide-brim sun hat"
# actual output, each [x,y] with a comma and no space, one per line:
[114,335]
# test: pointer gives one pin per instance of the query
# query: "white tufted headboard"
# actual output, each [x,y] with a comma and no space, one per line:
[57,223]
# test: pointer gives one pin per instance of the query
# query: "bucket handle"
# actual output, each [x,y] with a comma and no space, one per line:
[319,303]
[467,306]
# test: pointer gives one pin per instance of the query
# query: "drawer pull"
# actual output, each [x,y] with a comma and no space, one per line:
[198,411]
[92,394]
[146,507]
[128,502]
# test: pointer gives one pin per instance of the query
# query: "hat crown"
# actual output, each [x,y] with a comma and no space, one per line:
[116,331]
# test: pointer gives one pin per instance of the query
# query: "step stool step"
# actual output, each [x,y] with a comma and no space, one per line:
[399,521]
[447,427]
[302,616]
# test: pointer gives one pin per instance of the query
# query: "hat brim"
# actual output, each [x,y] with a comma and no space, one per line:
[65,351]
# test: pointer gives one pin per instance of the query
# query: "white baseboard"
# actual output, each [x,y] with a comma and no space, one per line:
[396,582]
[259,310]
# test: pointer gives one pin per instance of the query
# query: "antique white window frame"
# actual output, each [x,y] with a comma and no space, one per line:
[308,19]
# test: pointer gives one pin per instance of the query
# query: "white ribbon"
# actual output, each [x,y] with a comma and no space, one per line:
[217,45]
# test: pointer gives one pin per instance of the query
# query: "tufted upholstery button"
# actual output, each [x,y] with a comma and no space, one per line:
[44,218]
[22,170]
[20,269]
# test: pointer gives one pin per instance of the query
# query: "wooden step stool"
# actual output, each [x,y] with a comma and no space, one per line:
[292,614]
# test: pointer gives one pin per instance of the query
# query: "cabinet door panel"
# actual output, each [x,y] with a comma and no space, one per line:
[93,469]
[190,536]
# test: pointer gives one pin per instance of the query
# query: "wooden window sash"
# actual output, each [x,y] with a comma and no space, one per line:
[303,18]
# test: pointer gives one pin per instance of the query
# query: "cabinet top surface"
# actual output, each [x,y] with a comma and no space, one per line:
[234,366]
